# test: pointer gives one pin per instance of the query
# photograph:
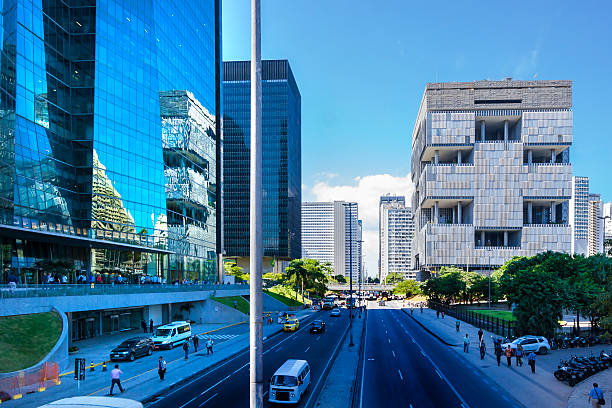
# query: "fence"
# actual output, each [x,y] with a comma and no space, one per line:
[501,327]
[28,381]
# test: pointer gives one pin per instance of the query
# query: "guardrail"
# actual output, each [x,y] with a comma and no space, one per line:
[502,327]
[26,291]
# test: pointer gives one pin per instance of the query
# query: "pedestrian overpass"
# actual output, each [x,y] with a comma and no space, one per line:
[365,287]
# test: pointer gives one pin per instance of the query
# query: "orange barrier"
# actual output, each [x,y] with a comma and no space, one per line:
[28,381]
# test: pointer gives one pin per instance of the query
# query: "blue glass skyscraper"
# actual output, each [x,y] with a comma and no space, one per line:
[109,134]
[282,163]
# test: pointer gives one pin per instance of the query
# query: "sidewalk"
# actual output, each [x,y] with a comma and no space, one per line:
[580,393]
[539,389]
[140,379]
[338,390]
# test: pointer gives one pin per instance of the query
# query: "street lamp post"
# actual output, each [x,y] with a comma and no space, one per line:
[350,205]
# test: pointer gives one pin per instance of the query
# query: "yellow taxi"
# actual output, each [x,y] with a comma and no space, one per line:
[291,325]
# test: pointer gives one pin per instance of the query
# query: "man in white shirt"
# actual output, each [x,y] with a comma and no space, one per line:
[115,373]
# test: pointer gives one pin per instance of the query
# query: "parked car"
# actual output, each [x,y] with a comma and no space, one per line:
[318,326]
[291,325]
[335,312]
[132,348]
[538,344]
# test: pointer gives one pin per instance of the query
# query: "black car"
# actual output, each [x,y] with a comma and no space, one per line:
[132,348]
[318,326]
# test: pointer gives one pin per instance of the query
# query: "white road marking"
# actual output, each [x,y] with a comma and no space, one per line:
[389,340]
[318,338]
[393,353]
[400,374]
[306,351]
[209,399]
[240,368]
[439,375]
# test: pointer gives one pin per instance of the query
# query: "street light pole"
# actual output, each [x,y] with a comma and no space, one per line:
[489,279]
[350,205]
[256,241]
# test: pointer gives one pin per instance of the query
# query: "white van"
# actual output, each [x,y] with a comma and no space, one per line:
[170,335]
[290,382]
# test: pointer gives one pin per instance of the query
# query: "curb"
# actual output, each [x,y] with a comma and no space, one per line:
[183,380]
[429,330]
[357,381]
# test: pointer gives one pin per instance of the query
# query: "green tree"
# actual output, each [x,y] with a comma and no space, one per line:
[236,271]
[448,287]
[408,288]
[307,275]
[340,278]
[394,278]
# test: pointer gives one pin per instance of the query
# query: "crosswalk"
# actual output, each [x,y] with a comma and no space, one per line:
[217,336]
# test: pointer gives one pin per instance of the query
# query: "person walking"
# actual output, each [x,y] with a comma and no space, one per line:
[466,343]
[531,361]
[186,349]
[498,352]
[483,349]
[443,314]
[209,346]
[509,355]
[151,325]
[480,334]
[115,374]
[143,324]
[437,314]
[457,325]
[596,396]
[161,368]
[519,356]
[196,343]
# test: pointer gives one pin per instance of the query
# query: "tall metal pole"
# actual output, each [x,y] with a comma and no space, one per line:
[256,249]
[489,279]
[351,344]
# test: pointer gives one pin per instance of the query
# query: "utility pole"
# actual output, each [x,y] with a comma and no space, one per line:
[350,205]
[256,247]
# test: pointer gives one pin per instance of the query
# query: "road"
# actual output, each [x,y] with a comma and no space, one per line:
[227,385]
[405,366]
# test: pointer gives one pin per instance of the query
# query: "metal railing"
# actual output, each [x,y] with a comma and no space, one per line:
[501,327]
[51,290]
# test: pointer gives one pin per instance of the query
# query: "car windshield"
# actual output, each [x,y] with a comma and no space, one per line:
[317,324]
[127,343]
[290,321]
[163,332]
[284,380]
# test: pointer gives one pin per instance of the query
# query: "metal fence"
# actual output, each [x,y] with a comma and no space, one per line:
[501,327]
[26,291]
[30,380]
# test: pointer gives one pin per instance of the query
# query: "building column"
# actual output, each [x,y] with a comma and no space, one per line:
[553,216]
[482,131]
[459,156]
[482,238]
[436,209]
[459,213]
[529,156]
[436,156]
[454,216]
[529,212]
[505,131]
[553,156]
[505,238]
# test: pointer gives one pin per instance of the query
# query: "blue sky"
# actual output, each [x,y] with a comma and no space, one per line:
[362,66]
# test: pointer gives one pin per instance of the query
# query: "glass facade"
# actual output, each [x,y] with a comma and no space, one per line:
[88,173]
[281,169]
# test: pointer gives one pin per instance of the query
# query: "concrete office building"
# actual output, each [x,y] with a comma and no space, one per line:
[490,164]
[396,230]
[579,214]
[595,240]
[327,228]
[607,214]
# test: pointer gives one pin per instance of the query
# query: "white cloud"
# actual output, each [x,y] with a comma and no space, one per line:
[366,191]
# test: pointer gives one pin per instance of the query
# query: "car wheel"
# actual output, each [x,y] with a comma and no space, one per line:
[149,351]
[132,356]
[542,350]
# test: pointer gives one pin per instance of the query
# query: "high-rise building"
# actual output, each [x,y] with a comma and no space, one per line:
[607,215]
[396,230]
[87,175]
[595,240]
[579,214]
[281,168]
[331,232]
[490,164]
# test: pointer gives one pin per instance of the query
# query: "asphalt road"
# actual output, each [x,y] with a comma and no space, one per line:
[227,385]
[405,366]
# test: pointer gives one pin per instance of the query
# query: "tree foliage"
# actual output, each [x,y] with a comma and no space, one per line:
[307,275]
[236,271]
[408,288]
[394,278]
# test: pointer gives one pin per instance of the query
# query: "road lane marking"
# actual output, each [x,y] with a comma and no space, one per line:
[400,374]
[318,338]
[439,375]
[393,353]
[306,351]
[240,368]
[205,391]
[389,340]
[202,404]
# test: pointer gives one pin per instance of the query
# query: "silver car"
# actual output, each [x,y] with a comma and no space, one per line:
[537,344]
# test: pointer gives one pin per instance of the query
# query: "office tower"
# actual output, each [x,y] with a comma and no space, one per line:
[331,232]
[607,214]
[281,169]
[490,164]
[595,240]
[579,214]
[396,230]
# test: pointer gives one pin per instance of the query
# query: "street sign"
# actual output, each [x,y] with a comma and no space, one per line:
[79,369]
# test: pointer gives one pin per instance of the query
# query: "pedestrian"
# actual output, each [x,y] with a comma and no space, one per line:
[115,373]
[196,343]
[235,304]
[498,352]
[457,326]
[421,309]
[509,355]
[151,325]
[161,368]
[209,346]
[483,349]
[186,349]
[143,324]
[466,343]
[443,314]
[596,396]
[437,314]
[480,334]
[411,311]
[531,361]
[12,281]
[519,356]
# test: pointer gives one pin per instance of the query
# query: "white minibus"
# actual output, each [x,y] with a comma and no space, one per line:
[290,382]
[170,335]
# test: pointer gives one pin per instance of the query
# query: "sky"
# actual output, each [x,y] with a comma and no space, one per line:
[362,67]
